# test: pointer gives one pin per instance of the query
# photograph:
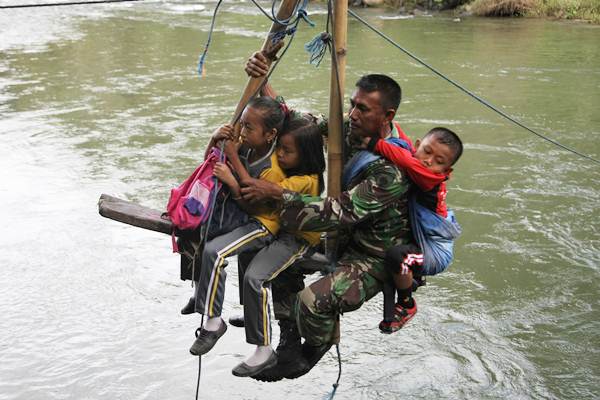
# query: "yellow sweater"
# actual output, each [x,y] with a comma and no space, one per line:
[305,184]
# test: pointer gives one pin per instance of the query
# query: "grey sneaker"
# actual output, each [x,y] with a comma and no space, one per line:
[244,369]
[205,340]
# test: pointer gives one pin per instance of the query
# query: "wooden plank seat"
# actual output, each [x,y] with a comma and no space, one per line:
[148,218]
[134,214]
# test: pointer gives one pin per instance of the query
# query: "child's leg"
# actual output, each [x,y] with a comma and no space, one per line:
[400,261]
[265,266]
[389,301]
[210,288]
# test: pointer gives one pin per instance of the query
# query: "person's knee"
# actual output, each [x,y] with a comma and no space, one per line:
[394,258]
[211,249]
[307,301]
[345,290]
[252,283]
[306,296]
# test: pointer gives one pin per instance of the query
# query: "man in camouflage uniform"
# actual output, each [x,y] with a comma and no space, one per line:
[373,208]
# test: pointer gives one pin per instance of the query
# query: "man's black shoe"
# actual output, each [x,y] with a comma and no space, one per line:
[294,363]
[313,354]
[189,307]
[289,355]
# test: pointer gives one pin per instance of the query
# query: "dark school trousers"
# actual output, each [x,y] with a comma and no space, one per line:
[266,265]
[210,288]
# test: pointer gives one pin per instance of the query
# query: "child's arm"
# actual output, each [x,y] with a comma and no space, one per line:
[224,174]
[417,172]
[231,151]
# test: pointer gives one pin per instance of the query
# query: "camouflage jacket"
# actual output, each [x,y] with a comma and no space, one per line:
[375,208]
[373,211]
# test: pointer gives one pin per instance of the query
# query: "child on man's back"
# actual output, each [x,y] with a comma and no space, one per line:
[428,167]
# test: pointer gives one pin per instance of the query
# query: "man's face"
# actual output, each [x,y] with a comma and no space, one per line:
[367,116]
[435,156]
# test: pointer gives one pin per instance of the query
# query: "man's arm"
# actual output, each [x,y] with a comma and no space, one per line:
[256,67]
[381,189]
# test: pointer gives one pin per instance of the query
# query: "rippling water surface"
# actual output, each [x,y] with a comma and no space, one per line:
[105,99]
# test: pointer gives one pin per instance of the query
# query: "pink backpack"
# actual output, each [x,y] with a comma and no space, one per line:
[190,204]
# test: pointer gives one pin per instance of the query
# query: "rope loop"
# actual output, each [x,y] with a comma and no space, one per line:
[304,15]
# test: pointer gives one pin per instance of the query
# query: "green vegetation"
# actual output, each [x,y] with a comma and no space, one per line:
[588,10]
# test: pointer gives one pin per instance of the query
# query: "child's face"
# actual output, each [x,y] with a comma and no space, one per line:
[253,131]
[288,156]
[437,157]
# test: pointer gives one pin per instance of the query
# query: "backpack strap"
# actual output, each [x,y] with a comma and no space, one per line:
[174,241]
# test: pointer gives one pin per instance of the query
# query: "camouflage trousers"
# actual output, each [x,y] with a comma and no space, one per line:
[357,279]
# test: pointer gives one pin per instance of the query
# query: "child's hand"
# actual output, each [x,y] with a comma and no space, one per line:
[231,148]
[223,133]
[224,174]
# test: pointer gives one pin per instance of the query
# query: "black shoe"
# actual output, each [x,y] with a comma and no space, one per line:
[206,340]
[237,320]
[189,307]
[312,354]
[300,362]
[289,355]
[244,369]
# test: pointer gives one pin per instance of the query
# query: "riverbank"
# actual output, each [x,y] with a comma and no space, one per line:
[586,10]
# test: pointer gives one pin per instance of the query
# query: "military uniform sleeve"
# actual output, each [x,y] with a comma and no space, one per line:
[381,188]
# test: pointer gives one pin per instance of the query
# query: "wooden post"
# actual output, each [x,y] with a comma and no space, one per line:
[285,11]
[336,104]
[336,100]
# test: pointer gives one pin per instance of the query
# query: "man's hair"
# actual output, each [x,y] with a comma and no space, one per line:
[272,113]
[450,139]
[391,93]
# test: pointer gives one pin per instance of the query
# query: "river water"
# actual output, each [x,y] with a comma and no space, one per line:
[105,99]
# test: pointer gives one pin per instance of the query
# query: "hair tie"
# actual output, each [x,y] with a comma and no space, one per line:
[285,109]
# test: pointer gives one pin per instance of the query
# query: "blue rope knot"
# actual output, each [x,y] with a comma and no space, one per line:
[277,36]
[317,47]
